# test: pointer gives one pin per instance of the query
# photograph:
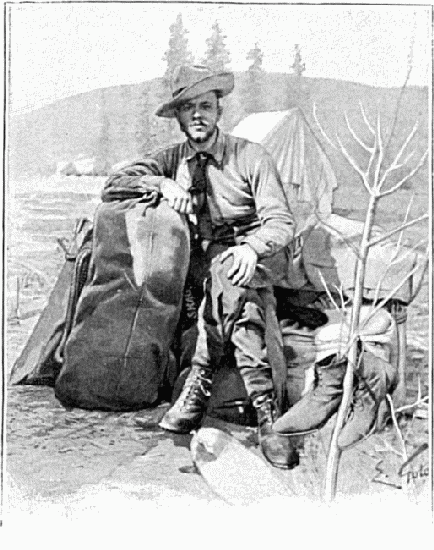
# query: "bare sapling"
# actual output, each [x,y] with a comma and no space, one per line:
[376,179]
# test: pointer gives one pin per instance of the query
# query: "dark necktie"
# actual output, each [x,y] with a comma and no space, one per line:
[198,189]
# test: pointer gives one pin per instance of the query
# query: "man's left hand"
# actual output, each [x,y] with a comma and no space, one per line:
[244,263]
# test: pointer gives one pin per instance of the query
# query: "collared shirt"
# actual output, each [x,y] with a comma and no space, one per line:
[244,193]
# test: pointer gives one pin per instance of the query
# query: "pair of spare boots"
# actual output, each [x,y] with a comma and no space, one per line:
[374,378]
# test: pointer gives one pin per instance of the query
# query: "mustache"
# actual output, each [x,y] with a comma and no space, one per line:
[198,123]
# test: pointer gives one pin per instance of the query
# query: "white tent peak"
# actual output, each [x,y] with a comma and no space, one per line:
[256,126]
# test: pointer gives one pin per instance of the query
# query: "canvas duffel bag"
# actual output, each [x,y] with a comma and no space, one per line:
[117,356]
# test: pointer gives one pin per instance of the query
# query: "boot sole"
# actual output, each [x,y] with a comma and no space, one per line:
[170,428]
[302,433]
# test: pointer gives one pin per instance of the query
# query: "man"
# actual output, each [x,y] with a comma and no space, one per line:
[231,191]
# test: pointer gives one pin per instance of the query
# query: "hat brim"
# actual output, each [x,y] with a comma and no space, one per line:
[223,83]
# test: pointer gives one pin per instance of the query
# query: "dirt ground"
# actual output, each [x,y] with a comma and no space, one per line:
[78,460]
[55,455]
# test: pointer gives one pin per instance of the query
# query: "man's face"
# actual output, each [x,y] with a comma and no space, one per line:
[198,117]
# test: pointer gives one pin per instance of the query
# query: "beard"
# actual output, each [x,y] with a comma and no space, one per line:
[198,132]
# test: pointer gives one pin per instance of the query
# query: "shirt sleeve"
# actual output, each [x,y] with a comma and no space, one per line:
[277,222]
[138,178]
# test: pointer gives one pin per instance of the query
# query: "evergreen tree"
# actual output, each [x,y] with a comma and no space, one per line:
[298,66]
[298,90]
[178,52]
[253,93]
[256,56]
[217,55]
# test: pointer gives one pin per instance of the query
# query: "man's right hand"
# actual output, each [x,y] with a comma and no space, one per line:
[177,197]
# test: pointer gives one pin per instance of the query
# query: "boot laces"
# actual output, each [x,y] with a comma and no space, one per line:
[361,391]
[266,410]
[196,383]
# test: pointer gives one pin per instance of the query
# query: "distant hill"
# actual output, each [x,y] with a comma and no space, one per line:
[106,121]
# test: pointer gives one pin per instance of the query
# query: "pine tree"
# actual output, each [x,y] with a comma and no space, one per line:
[256,56]
[298,90]
[254,84]
[298,67]
[217,55]
[178,52]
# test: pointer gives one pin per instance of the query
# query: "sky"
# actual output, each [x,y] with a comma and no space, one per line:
[61,49]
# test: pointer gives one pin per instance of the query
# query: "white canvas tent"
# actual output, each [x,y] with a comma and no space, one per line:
[305,170]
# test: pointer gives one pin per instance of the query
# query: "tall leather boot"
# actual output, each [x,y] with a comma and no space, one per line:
[189,409]
[374,381]
[319,404]
[280,451]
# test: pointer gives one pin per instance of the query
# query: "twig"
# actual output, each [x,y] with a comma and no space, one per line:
[389,234]
[405,220]
[394,165]
[416,404]
[365,118]
[380,156]
[323,133]
[397,428]
[326,288]
[405,481]
[407,177]
[353,163]
[422,277]
[356,137]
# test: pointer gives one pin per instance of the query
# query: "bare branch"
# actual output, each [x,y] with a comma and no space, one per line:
[372,157]
[405,479]
[377,181]
[340,290]
[309,126]
[366,119]
[326,288]
[422,277]
[414,249]
[407,213]
[418,403]
[395,165]
[323,133]
[386,236]
[407,177]
[356,137]
[397,428]
[407,158]
[352,162]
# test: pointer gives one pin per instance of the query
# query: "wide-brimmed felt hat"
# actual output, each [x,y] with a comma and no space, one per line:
[190,81]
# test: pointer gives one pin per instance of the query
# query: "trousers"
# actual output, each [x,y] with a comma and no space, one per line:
[232,323]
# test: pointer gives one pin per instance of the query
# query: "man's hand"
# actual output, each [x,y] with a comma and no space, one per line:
[177,197]
[243,268]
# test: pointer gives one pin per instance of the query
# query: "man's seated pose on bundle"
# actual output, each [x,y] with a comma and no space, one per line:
[231,192]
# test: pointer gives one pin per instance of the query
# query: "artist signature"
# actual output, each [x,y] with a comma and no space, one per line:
[405,471]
